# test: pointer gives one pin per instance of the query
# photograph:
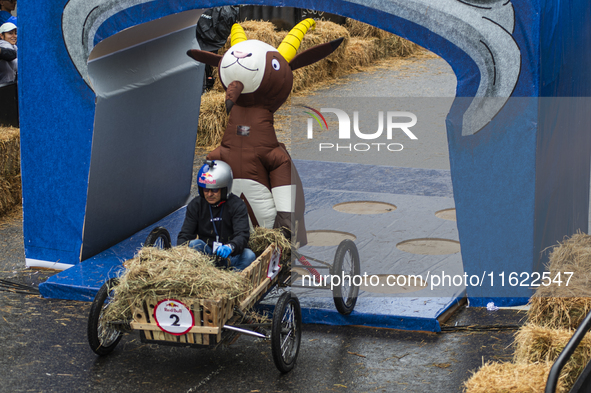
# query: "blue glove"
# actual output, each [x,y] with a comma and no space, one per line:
[224,251]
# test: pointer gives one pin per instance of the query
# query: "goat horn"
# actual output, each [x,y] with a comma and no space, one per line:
[290,44]
[237,34]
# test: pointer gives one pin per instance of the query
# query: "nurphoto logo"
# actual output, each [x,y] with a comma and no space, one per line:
[397,124]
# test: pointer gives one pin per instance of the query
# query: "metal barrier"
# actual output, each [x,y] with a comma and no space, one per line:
[565,355]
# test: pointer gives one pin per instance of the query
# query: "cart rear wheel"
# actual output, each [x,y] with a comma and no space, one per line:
[159,238]
[346,266]
[286,332]
[102,337]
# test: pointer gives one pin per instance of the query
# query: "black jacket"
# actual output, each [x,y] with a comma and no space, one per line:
[233,228]
[215,24]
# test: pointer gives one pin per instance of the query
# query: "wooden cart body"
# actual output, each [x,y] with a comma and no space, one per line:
[209,315]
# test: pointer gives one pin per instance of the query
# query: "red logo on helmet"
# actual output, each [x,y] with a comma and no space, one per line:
[206,178]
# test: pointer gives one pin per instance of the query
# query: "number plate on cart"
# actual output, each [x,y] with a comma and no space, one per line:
[173,317]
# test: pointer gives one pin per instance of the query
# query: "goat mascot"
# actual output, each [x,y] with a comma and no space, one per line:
[258,79]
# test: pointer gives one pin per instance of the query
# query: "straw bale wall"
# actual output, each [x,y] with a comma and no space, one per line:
[555,312]
[10,179]
[496,377]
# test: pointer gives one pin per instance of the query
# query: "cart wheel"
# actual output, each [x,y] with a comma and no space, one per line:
[286,332]
[101,337]
[159,238]
[346,263]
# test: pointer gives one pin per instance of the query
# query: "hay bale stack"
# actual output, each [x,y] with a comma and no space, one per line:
[385,44]
[556,310]
[332,66]
[362,52]
[212,118]
[10,179]
[538,344]
[398,47]
[558,305]
[363,30]
[361,48]
[176,272]
[496,377]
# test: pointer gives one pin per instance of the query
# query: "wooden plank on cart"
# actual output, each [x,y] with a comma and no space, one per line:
[197,313]
[253,297]
[257,270]
[157,334]
[194,329]
[139,316]
[208,318]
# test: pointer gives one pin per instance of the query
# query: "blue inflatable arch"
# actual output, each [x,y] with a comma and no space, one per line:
[94,167]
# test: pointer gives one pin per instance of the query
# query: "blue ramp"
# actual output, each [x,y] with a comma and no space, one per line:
[417,195]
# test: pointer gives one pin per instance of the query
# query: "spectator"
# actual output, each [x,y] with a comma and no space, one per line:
[213,29]
[8,53]
[6,9]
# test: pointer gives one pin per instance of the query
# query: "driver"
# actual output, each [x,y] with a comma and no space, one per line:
[216,222]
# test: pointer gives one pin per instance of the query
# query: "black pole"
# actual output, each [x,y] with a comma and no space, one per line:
[566,353]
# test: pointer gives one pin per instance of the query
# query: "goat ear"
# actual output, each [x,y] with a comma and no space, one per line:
[208,58]
[314,54]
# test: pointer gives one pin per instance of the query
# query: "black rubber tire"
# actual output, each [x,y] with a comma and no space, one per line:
[159,237]
[95,328]
[286,332]
[346,260]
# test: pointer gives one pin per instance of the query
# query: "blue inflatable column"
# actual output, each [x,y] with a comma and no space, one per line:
[57,114]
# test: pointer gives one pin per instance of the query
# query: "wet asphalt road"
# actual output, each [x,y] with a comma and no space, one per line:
[44,348]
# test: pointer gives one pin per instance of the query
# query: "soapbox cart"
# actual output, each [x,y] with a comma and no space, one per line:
[208,323]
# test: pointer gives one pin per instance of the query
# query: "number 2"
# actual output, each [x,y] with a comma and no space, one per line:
[176,320]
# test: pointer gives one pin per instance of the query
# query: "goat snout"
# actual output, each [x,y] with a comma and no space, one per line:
[241,55]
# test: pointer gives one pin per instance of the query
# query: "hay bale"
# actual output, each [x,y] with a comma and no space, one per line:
[10,163]
[10,193]
[261,238]
[176,272]
[558,305]
[558,312]
[388,44]
[398,47]
[542,344]
[496,377]
[10,180]
[361,52]
[212,119]
[363,30]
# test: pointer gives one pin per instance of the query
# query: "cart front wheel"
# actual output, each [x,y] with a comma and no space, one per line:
[159,238]
[102,337]
[286,332]
[346,266]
